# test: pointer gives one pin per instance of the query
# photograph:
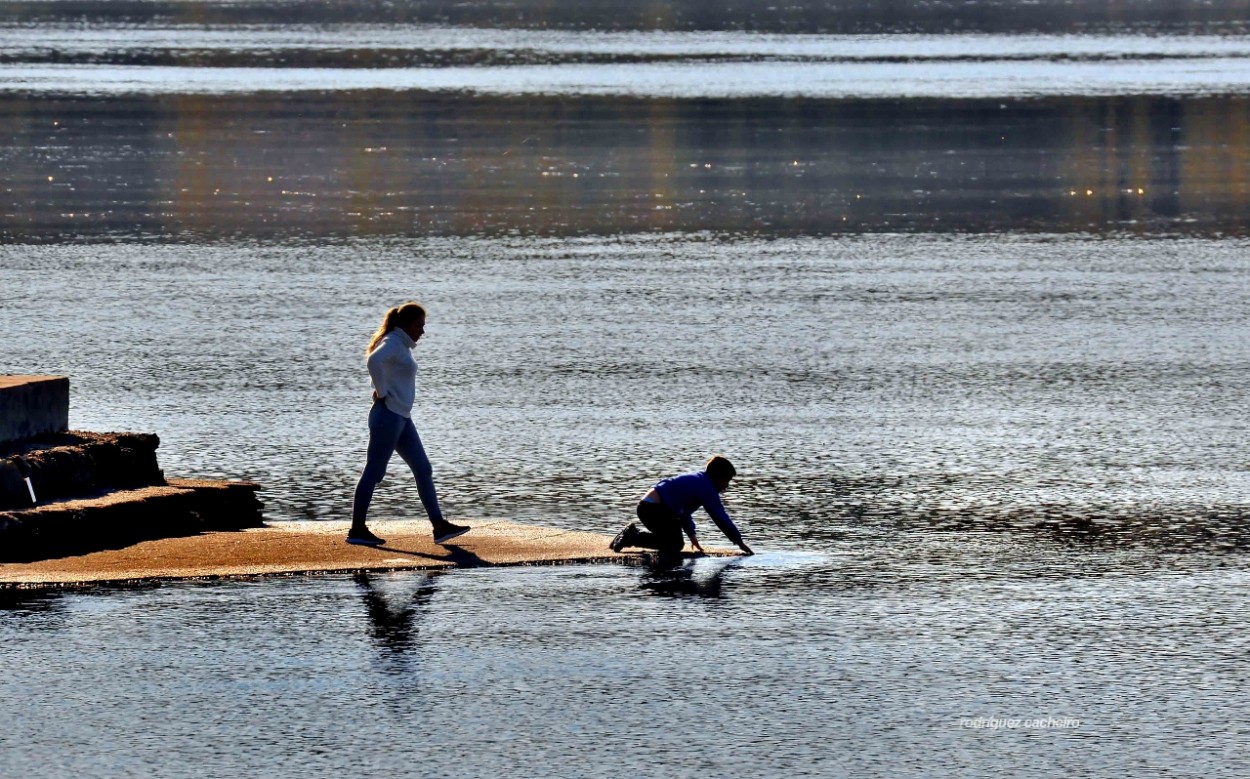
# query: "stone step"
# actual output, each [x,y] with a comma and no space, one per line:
[76,464]
[119,518]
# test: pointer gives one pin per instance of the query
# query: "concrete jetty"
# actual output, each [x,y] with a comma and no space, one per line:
[315,547]
[80,508]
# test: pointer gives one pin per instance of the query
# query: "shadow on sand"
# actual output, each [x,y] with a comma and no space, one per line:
[456,555]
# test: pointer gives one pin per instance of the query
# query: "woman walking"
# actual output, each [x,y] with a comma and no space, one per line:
[393,373]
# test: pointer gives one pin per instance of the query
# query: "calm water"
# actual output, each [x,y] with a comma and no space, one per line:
[962,290]
[613,671]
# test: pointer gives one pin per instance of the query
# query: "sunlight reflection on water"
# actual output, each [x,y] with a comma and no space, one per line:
[1214,76]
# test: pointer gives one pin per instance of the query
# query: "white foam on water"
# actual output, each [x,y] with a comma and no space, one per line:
[766,559]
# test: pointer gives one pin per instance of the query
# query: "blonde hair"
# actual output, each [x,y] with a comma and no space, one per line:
[399,315]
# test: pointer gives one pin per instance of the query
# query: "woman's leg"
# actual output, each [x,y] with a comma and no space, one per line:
[385,427]
[665,526]
[409,447]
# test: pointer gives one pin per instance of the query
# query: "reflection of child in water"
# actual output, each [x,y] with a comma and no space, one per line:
[667,509]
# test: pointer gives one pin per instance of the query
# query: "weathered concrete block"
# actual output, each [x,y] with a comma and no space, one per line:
[33,405]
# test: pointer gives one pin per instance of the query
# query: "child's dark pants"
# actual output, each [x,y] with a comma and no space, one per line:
[665,526]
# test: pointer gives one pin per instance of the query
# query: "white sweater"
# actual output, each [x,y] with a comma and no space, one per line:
[393,371]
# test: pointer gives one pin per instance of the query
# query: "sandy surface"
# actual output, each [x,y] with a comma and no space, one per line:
[309,547]
[9,380]
[133,497]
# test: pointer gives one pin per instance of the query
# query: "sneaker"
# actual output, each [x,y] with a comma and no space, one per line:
[445,531]
[623,538]
[363,537]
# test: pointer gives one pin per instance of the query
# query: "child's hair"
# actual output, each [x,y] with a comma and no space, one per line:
[720,468]
[399,315]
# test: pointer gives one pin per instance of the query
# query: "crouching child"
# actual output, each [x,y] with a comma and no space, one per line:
[668,508]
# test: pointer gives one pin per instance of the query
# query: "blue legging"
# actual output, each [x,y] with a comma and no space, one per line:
[390,433]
